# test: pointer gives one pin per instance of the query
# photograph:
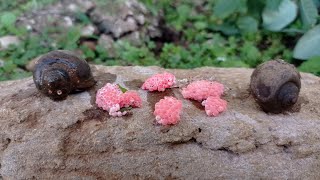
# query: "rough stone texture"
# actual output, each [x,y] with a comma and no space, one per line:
[55,16]
[120,18]
[60,15]
[72,139]
[127,19]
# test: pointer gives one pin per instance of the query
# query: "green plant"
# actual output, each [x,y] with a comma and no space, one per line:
[312,66]
[221,33]
[262,29]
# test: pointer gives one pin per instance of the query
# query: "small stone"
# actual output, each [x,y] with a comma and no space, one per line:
[80,5]
[88,30]
[108,43]
[120,18]
[134,38]
[68,21]
[1,63]
[140,19]
[121,27]
[6,41]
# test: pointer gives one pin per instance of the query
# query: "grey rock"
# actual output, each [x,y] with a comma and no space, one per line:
[54,16]
[1,63]
[88,30]
[59,15]
[107,43]
[120,18]
[134,38]
[6,41]
[79,5]
[73,139]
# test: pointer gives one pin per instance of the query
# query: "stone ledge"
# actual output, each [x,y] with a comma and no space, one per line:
[72,139]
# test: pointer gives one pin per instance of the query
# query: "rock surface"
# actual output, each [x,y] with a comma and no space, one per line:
[73,139]
[126,19]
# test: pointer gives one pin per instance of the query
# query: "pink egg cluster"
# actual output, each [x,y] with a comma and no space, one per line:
[112,99]
[159,82]
[167,111]
[208,91]
[201,90]
[130,98]
[214,105]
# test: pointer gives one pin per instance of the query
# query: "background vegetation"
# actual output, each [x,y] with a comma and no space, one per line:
[221,33]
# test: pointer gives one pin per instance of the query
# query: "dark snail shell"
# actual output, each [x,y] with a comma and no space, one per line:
[60,73]
[275,85]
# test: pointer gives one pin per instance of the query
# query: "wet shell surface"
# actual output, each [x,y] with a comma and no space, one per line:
[59,73]
[275,85]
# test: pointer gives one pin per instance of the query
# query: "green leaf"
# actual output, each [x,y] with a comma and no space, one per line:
[308,45]
[275,20]
[308,12]
[247,24]
[122,88]
[273,4]
[250,54]
[233,63]
[82,17]
[184,10]
[224,8]
[200,25]
[9,66]
[226,28]
[311,66]
[126,109]
[8,19]
[255,7]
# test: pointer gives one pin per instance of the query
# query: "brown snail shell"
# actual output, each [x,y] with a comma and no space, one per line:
[275,85]
[59,73]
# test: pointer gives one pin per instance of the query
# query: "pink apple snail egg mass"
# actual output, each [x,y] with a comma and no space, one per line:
[130,98]
[159,82]
[112,99]
[201,90]
[167,111]
[214,105]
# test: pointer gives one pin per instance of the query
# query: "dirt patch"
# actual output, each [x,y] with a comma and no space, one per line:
[24,94]
[197,104]
[32,120]
[134,84]
[104,78]
[297,106]
[95,113]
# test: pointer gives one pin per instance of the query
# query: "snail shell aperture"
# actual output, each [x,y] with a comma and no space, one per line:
[60,73]
[275,85]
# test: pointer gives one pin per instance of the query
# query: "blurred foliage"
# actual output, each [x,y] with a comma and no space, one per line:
[221,33]
[312,66]
[253,31]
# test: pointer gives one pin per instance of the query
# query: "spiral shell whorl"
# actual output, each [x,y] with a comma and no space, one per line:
[275,85]
[59,73]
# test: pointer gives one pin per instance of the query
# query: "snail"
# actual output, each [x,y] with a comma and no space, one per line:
[275,85]
[59,73]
